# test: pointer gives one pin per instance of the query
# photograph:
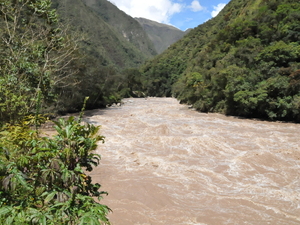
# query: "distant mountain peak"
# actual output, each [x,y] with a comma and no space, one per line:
[162,35]
[157,23]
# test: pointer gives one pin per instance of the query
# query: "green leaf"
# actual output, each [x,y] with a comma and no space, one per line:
[89,219]
[50,197]
[5,210]
[22,181]
[43,220]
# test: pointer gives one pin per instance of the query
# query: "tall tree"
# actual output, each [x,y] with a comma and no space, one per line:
[35,55]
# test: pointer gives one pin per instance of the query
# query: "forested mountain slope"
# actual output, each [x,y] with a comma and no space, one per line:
[123,24]
[103,40]
[162,35]
[244,62]
[103,52]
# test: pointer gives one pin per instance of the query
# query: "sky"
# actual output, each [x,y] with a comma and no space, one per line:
[182,14]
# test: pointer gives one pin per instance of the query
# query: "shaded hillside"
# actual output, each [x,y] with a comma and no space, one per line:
[123,24]
[243,62]
[102,40]
[162,35]
[103,55]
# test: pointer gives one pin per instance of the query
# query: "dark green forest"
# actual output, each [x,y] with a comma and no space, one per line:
[244,62]
[43,179]
[104,52]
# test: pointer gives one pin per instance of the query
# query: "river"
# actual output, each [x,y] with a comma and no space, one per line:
[165,164]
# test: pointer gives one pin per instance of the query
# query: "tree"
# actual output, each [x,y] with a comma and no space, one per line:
[35,56]
[42,180]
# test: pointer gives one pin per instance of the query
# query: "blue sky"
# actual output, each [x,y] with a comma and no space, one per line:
[182,14]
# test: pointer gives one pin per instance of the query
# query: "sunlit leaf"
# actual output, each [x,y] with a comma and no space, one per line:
[50,197]
[5,210]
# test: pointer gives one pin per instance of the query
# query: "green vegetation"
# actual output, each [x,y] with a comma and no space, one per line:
[64,64]
[244,62]
[43,180]
[35,56]
[107,51]
[104,44]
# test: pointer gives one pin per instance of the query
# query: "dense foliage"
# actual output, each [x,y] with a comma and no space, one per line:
[41,55]
[244,62]
[34,57]
[109,41]
[42,179]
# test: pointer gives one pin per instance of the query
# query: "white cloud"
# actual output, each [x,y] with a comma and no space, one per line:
[157,10]
[217,9]
[195,6]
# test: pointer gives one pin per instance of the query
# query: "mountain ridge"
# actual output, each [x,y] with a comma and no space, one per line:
[107,42]
[162,35]
[103,54]
[123,24]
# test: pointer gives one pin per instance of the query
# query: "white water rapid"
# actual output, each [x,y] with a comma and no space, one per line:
[165,164]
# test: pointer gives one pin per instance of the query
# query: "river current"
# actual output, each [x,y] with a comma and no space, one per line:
[165,164]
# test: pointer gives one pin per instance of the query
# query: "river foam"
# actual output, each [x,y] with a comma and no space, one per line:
[163,163]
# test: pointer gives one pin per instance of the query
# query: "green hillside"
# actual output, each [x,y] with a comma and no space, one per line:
[123,24]
[162,35]
[244,62]
[102,39]
[104,52]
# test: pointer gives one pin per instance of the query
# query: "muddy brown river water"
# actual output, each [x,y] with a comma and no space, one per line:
[165,164]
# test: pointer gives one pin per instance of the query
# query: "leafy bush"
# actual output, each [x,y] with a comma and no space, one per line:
[43,180]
